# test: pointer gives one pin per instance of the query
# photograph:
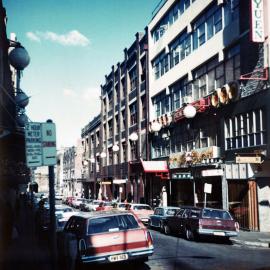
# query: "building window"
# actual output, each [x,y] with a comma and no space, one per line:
[133,114]
[143,101]
[133,150]
[133,78]
[161,104]
[117,125]
[246,130]
[124,149]
[110,124]
[160,65]
[110,156]
[123,120]
[206,26]
[110,98]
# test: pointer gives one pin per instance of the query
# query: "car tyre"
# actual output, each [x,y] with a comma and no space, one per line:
[189,234]
[167,229]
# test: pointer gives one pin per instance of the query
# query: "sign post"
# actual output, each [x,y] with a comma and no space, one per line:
[207,189]
[40,145]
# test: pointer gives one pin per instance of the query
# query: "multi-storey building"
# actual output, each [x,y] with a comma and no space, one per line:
[212,79]
[69,171]
[91,159]
[124,124]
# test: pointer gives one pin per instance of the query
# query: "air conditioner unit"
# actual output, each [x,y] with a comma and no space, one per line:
[187,99]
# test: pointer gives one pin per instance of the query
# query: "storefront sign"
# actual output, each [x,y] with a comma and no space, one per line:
[241,159]
[186,175]
[120,181]
[212,172]
[257,21]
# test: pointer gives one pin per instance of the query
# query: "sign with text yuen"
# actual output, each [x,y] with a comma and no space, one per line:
[33,144]
[257,21]
[40,144]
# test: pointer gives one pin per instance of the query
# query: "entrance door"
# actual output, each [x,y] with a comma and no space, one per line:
[243,203]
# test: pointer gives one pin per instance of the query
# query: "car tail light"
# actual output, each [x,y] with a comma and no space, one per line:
[236,226]
[200,224]
[149,238]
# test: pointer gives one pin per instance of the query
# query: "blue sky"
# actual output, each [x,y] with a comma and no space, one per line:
[72,45]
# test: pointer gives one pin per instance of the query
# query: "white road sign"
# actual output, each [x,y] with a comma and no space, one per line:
[33,144]
[40,144]
[48,144]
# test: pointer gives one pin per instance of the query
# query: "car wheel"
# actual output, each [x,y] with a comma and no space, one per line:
[189,234]
[161,226]
[167,229]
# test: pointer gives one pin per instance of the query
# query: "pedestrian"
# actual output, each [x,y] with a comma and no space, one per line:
[101,207]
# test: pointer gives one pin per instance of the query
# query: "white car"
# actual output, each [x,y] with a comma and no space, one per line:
[76,203]
[63,213]
[92,206]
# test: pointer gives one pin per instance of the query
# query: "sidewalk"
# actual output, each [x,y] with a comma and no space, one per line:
[253,239]
[25,251]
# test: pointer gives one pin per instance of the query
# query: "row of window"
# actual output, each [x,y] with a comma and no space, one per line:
[204,28]
[207,78]
[241,131]
[246,130]
[171,17]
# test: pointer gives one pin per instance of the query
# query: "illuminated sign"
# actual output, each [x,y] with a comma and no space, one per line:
[256,159]
[257,23]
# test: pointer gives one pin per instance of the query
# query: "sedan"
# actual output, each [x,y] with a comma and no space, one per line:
[160,213]
[104,237]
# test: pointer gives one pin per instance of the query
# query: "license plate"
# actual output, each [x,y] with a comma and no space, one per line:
[117,258]
[219,233]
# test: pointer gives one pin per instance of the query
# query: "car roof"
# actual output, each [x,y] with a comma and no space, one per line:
[168,207]
[105,213]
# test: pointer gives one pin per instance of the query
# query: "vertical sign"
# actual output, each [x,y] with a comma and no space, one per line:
[33,144]
[257,21]
[48,144]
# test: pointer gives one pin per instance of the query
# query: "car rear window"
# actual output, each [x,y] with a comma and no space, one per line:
[216,214]
[112,224]
[171,212]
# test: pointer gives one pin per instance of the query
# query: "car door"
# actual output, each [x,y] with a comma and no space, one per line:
[175,221]
[183,220]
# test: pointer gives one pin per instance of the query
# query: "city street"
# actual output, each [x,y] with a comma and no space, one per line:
[173,253]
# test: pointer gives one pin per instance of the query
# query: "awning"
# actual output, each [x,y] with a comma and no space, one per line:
[155,166]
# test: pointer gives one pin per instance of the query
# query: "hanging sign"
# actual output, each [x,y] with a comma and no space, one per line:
[257,21]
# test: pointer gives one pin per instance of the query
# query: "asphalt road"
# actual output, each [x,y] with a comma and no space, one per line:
[173,253]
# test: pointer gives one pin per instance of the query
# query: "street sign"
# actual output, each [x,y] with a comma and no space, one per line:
[207,188]
[48,144]
[212,172]
[33,144]
[40,144]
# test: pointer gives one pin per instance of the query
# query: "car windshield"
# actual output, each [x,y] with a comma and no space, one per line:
[142,207]
[216,214]
[112,224]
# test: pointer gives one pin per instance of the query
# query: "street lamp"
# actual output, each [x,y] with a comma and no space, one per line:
[103,154]
[189,111]
[19,59]
[133,136]
[115,148]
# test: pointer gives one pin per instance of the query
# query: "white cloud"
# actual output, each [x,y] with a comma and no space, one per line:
[69,93]
[72,38]
[91,94]
[32,36]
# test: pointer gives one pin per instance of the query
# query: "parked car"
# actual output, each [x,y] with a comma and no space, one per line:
[76,202]
[92,205]
[160,213]
[142,211]
[84,203]
[59,196]
[194,222]
[105,237]
[63,213]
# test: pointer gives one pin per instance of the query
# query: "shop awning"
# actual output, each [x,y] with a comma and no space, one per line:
[155,166]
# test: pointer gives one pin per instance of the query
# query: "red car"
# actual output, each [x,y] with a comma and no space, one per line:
[194,222]
[105,237]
